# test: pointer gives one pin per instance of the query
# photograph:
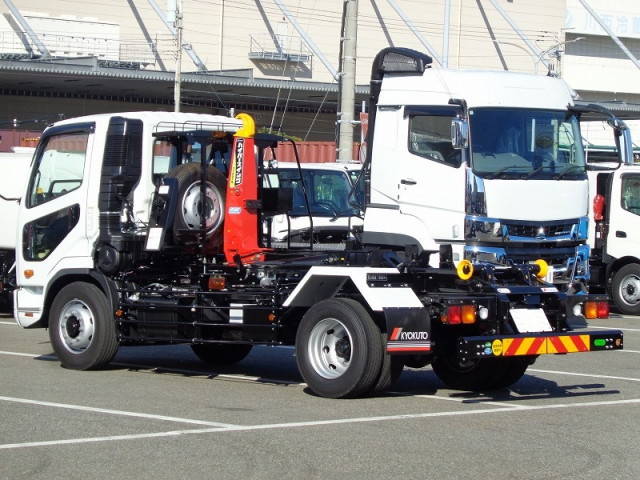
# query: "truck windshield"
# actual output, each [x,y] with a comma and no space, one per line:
[327,190]
[510,143]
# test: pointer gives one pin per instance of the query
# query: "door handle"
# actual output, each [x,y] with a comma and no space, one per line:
[408,181]
[621,234]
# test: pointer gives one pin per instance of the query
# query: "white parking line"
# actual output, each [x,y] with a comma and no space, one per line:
[557,372]
[615,328]
[628,351]
[108,411]
[13,324]
[29,355]
[340,421]
[470,401]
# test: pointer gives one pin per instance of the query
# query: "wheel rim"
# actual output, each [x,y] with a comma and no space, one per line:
[192,207]
[629,290]
[76,326]
[329,348]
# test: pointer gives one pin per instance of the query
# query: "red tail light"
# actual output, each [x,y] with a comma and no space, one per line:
[454,315]
[603,309]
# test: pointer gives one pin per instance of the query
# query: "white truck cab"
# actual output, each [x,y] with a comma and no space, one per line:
[71,208]
[513,188]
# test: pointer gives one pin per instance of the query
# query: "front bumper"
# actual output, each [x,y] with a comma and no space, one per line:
[476,347]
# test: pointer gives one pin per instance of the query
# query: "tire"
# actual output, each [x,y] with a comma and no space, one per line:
[339,349]
[510,370]
[392,366]
[478,375]
[417,361]
[81,327]
[189,208]
[221,354]
[625,289]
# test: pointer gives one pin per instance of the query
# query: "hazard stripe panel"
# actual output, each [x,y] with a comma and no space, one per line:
[539,344]
[512,347]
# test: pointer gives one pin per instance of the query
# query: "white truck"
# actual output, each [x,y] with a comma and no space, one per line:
[614,229]
[113,251]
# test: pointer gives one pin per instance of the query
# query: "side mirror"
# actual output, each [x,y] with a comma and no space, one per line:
[623,140]
[459,134]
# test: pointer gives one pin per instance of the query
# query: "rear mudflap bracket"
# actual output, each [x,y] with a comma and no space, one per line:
[538,344]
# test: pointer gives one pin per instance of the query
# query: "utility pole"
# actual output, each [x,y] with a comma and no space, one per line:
[348,81]
[176,83]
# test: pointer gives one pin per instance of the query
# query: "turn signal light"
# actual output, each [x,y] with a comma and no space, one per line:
[468,314]
[28,273]
[459,314]
[591,310]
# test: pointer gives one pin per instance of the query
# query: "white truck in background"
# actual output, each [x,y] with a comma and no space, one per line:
[14,171]
[614,228]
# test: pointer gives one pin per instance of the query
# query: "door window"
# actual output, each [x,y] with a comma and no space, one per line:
[430,137]
[59,167]
[42,236]
[631,193]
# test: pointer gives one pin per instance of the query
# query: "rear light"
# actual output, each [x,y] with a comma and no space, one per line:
[591,310]
[468,314]
[454,314]
[459,314]
[596,309]
[598,207]
[603,309]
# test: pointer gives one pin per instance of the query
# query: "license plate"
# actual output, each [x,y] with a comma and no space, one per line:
[530,320]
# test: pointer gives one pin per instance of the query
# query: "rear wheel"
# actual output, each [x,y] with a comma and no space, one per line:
[510,370]
[81,328]
[339,349]
[625,289]
[221,354]
[475,375]
[392,366]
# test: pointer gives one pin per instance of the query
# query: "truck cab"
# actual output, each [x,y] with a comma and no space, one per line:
[514,187]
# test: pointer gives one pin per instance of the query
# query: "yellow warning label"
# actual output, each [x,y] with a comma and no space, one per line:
[496,347]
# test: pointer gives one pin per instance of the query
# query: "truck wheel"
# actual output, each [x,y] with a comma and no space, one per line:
[417,361]
[339,349]
[190,205]
[475,375]
[392,366]
[625,289]
[221,354]
[510,370]
[81,328]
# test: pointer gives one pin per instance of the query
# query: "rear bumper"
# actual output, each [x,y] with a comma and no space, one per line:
[470,348]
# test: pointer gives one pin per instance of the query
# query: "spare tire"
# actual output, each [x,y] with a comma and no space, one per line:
[190,206]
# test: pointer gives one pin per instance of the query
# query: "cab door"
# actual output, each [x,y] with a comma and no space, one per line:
[431,186]
[52,233]
[623,236]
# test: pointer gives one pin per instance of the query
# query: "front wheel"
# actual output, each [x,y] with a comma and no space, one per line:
[625,289]
[339,349]
[81,329]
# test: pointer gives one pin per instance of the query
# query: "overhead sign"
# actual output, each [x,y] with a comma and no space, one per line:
[622,17]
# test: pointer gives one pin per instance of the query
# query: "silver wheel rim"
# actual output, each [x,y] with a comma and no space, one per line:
[329,348]
[192,207]
[629,290]
[76,326]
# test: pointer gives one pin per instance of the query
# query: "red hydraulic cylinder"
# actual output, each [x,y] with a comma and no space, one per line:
[242,219]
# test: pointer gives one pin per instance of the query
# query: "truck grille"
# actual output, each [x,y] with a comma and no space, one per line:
[534,231]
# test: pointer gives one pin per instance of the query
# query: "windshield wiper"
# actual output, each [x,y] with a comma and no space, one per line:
[567,170]
[493,175]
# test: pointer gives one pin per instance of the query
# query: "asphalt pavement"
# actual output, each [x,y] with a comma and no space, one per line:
[158,412]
